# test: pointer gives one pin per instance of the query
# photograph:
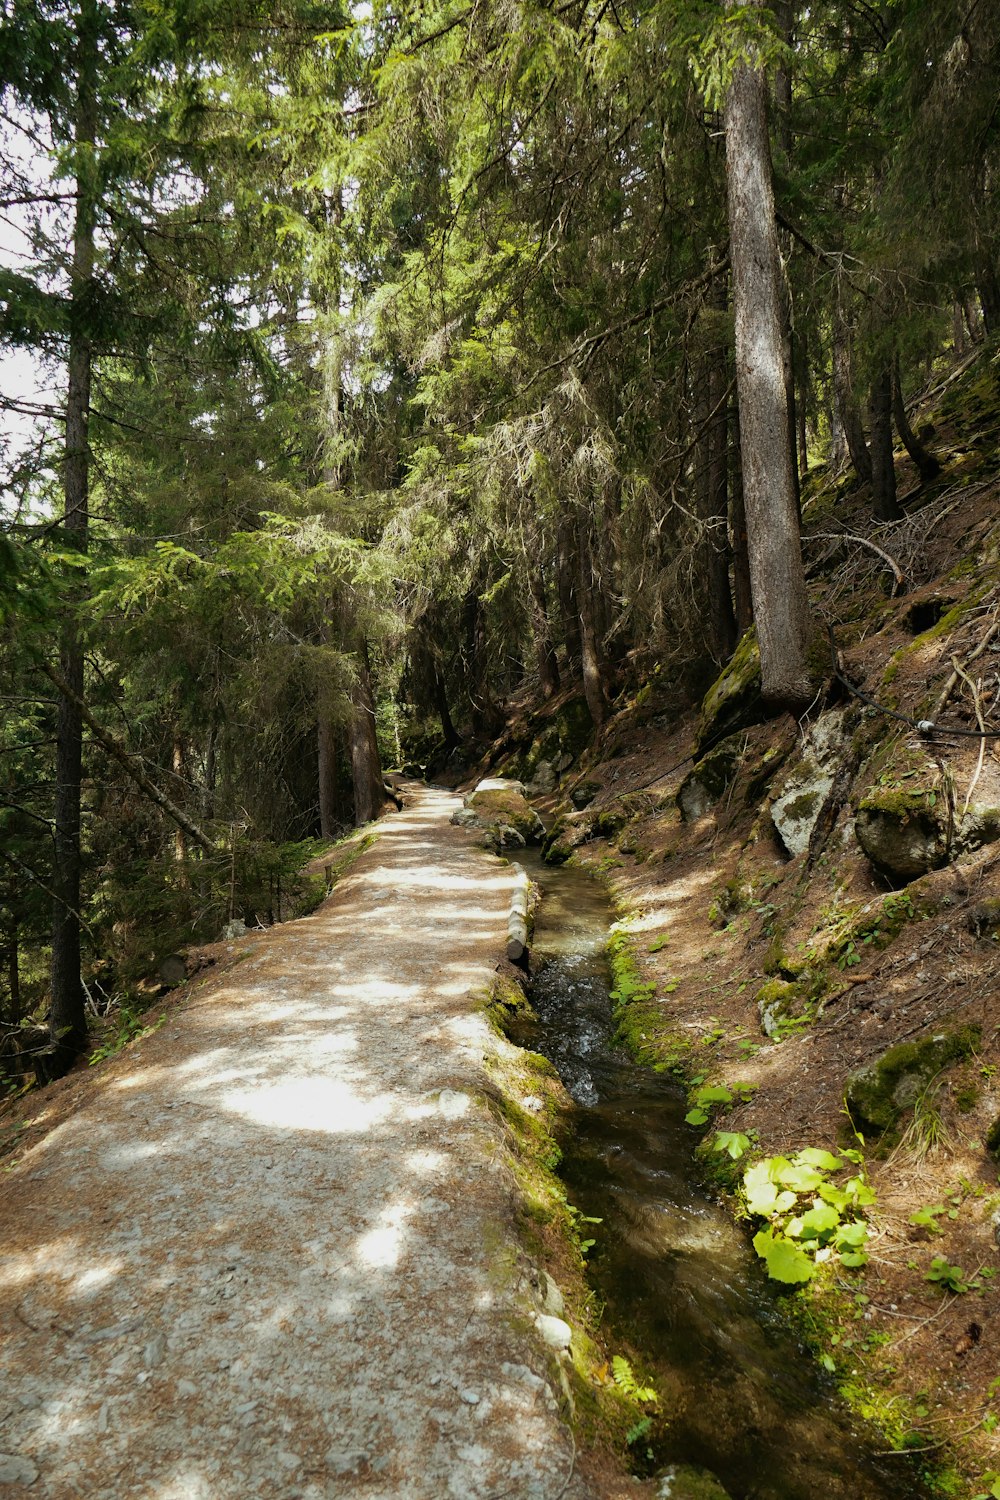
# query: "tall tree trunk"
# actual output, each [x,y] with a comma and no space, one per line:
[848,410]
[742,594]
[801,404]
[68,1017]
[366,766]
[448,730]
[884,500]
[927,465]
[13,972]
[180,837]
[712,491]
[777,576]
[326,765]
[988,287]
[566,567]
[483,712]
[590,648]
[545,651]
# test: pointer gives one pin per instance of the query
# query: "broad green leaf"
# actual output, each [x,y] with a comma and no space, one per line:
[801,1179]
[820,1220]
[785,1262]
[733,1142]
[854,1234]
[812,1156]
[696,1117]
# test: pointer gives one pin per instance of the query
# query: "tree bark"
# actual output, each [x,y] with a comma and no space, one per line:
[712,490]
[884,500]
[13,973]
[67,1011]
[326,767]
[366,766]
[545,651]
[847,406]
[927,465]
[742,594]
[590,650]
[566,566]
[776,573]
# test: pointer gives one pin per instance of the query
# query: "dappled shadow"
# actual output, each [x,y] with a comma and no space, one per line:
[265,1259]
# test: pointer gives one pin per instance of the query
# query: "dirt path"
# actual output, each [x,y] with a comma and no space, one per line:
[270,1254]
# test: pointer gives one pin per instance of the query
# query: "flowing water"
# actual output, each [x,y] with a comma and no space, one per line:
[677,1277]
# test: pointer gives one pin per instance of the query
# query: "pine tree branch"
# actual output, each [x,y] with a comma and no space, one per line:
[113,747]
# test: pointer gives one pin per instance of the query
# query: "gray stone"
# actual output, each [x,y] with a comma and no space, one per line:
[235,929]
[556,1332]
[543,781]
[155,1352]
[584,793]
[16,1470]
[466,817]
[903,833]
[471,1398]
[553,1301]
[709,780]
[799,803]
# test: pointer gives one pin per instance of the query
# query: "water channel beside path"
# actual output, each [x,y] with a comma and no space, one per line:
[677,1277]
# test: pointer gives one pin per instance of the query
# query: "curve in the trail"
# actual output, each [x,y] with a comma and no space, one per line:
[260,1258]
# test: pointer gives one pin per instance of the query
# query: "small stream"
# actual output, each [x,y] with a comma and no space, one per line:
[678,1279]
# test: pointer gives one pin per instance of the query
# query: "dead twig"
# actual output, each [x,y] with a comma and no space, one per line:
[861,541]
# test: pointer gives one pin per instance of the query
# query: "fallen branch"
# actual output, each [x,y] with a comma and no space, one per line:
[955,677]
[861,541]
[130,765]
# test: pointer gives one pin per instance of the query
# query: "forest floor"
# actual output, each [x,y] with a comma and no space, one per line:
[270,1249]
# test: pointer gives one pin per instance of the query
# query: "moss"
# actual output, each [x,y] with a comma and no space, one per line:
[878,1093]
[733,701]
[608,823]
[992,1139]
[574,727]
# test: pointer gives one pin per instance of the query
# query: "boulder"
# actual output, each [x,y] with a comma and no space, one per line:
[903,833]
[981,825]
[544,781]
[708,780]
[878,1093]
[584,793]
[686,1482]
[499,803]
[778,1001]
[799,803]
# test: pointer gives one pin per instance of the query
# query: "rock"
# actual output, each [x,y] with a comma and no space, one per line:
[995,1221]
[502,836]
[878,1092]
[707,781]
[466,817]
[799,803]
[471,1398]
[234,930]
[992,1144]
[16,1470]
[500,803]
[155,1352]
[556,1332]
[685,1482]
[777,1001]
[903,833]
[553,1301]
[981,825]
[544,781]
[584,793]
[733,701]
[532,1103]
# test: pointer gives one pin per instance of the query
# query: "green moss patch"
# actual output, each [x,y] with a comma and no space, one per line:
[878,1093]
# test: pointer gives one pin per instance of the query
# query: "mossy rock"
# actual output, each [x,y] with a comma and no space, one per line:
[984,918]
[733,701]
[560,841]
[685,1482]
[903,833]
[608,823]
[777,1001]
[497,803]
[992,1139]
[709,779]
[584,793]
[574,727]
[981,825]
[878,1093]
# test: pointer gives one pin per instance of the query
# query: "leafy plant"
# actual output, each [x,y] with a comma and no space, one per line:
[733,1142]
[952,1278]
[625,1379]
[658,943]
[810,1217]
[705,1098]
[927,1217]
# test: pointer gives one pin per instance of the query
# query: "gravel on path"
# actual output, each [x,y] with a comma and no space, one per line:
[273,1254]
